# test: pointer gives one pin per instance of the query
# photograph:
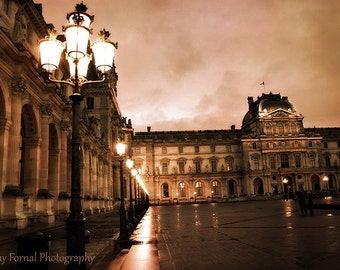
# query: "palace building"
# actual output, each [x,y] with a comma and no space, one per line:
[272,154]
[36,127]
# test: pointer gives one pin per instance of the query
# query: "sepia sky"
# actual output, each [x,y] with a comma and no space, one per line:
[191,64]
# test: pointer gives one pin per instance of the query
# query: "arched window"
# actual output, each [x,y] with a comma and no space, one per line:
[216,188]
[165,190]
[199,188]
[258,186]
[231,187]
[315,182]
[182,189]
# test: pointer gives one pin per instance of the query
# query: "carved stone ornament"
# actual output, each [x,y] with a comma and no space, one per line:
[46,109]
[18,85]
[65,125]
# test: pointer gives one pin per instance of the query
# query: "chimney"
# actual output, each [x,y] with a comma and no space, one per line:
[149,129]
[250,102]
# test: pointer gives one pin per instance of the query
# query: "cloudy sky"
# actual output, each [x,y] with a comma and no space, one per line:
[191,64]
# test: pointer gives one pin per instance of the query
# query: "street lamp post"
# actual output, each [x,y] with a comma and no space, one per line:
[285,188]
[123,234]
[325,180]
[129,164]
[77,34]
[134,173]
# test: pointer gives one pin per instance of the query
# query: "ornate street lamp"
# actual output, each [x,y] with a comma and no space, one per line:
[325,180]
[123,234]
[129,164]
[78,55]
[134,173]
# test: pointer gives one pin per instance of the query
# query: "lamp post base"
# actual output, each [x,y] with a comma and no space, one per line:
[76,241]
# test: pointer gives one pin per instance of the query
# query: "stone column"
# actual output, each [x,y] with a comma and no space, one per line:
[4,137]
[44,204]
[87,180]
[63,197]
[13,198]
[94,171]
[4,134]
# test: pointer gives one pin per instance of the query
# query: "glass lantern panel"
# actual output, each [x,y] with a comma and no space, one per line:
[103,55]
[120,148]
[77,39]
[83,65]
[50,51]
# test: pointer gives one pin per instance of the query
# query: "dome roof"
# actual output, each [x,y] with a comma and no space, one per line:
[265,104]
[270,104]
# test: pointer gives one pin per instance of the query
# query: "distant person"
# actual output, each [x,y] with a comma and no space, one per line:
[310,203]
[302,202]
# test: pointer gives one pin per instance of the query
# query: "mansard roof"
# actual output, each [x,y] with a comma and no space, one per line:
[186,136]
[267,104]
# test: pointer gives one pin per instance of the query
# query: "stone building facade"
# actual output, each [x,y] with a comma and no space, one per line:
[35,128]
[271,154]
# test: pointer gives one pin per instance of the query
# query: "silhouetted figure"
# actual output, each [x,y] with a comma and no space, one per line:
[302,202]
[310,203]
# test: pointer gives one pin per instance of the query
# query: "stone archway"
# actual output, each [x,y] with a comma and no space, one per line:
[232,187]
[258,186]
[29,147]
[53,161]
[315,180]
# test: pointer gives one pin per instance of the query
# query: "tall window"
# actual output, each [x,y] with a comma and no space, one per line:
[297,161]
[165,190]
[294,131]
[216,187]
[272,162]
[328,160]
[212,148]
[228,146]
[284,161]
[256,163]
[197,149]
[281,130]
[181,166]
[198,166]
[90,103]
[231,186]
[310,144]
[164,151]
[164,168]
[214,165]
[229,163]
[312,159]
[325,144]
[180,149]
[182,190]
[254,145]
[199,188]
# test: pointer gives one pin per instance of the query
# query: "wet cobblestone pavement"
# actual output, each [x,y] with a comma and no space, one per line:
[101,226]
[241,235]
[248,235]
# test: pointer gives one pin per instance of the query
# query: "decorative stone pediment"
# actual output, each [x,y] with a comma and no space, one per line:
[279,113]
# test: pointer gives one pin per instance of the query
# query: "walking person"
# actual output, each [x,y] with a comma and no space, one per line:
[302,202]
[310,203]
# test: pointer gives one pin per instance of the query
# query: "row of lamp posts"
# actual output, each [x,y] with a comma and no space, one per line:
[136,211]
[78,52]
